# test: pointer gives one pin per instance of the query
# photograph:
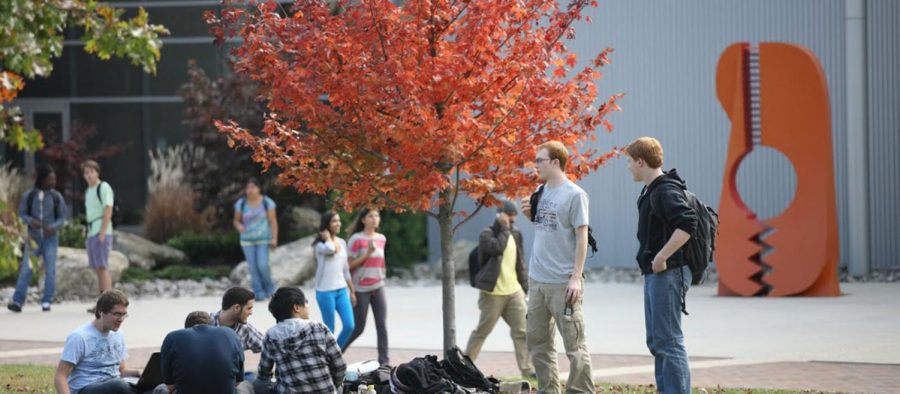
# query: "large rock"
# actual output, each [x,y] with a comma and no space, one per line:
[75,279]
[146,254]
[305,219]
[291,264]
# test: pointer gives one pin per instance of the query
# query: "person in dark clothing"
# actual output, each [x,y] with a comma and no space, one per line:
[201,358]
[665,224]
[44,211]
[503,282]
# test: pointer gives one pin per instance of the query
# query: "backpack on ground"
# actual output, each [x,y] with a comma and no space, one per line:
[698,251]
[464,372]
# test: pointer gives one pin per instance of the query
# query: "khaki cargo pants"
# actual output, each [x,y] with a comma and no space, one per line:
[546,307]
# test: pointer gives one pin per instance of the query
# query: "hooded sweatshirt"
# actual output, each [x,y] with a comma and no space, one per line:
[662,208]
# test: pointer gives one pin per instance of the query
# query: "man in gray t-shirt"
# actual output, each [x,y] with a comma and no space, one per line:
[555,274]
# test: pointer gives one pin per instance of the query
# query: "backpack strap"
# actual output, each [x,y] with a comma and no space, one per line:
[243,203]
[57,202]
[29,200]
[98,192]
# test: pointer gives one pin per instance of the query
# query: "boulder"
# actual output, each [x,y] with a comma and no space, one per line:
[305,219]
[146,254]
[291,264]
[75,279]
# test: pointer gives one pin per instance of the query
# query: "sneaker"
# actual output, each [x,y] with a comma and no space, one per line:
[14,307]
[45,307]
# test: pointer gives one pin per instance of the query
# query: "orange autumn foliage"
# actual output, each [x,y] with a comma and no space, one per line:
[403,104]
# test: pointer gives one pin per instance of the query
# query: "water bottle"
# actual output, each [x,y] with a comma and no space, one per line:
[362,389]
[371,389]
[351,376]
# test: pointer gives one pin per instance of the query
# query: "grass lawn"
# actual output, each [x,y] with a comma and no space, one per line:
[39,379]
[26,379]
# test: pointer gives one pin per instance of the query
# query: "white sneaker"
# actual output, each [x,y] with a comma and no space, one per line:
[45,307]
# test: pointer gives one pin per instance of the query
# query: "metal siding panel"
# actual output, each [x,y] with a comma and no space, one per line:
[884,132]
[665,60]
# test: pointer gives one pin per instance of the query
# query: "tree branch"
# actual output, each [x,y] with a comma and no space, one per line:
[462,222]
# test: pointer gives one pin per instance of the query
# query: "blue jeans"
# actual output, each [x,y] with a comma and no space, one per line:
[260,273]
[339,300]
[46,248]
[663,294]
[111,386]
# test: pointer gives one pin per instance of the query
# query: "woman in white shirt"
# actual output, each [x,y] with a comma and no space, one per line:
[334,285]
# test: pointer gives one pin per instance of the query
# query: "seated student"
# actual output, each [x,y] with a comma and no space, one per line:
[93,358]
[201,358]
[304,353]
[237,306]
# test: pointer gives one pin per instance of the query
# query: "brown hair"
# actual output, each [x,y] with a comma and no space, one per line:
[197,318]
[647,149]
[108,300]
[90,164]
[556,150]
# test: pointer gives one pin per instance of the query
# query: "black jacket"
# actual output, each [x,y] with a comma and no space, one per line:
[491,244]
[662,208]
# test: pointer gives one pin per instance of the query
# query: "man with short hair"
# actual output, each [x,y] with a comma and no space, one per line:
[44,211]
[555,271]
[93,358]
[237,306]
[666,222]
[201,358]
[503,282]
[98,206]
[304,353]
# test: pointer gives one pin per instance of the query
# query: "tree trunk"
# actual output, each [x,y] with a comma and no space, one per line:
[445,221]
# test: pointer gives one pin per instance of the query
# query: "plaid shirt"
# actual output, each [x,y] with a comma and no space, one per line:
[306,358]
[251,338]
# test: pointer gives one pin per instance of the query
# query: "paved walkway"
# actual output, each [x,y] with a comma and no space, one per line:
[845,344]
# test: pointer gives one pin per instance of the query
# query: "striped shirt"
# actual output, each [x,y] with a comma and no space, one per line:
[370,275]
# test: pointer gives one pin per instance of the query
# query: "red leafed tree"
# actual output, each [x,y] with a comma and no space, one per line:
[409,107]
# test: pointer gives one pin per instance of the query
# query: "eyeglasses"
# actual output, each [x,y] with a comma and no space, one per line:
[118,315]
[540,160]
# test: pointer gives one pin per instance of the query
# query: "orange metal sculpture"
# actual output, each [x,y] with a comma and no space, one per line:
[776,96]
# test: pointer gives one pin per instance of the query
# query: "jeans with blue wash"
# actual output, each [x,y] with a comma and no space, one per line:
[260,273]
[663,295]
[46,248]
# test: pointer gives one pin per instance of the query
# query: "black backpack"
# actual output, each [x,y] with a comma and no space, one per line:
[57,202]
[474,265]
[698,251]
[464,372]
[536,198]
[116,218]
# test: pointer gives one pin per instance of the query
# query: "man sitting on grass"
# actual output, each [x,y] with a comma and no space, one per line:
[93,358]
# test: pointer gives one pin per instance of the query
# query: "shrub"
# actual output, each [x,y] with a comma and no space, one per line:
[176,272]
[210,249]
[72,233]
[170,212]
[12,185]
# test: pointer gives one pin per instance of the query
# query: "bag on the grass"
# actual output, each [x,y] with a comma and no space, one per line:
[463,372]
